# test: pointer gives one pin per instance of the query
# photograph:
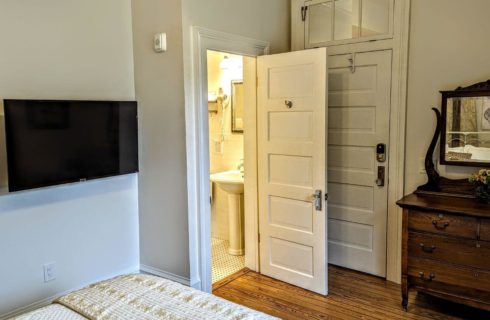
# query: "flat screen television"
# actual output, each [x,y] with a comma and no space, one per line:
[55,142]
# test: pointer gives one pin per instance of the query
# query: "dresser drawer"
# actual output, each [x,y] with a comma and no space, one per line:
[446,224]
[485,229]
[429,271]
[473,297]
[471,253]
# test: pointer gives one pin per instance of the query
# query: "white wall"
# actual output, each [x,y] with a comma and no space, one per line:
[449,47]
[160,90]
[69,49]
[258,19]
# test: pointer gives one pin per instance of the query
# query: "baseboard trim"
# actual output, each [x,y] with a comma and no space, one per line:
[165,274]
[47,301]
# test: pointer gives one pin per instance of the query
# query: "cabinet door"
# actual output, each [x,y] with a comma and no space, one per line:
[376,18]
[317,23]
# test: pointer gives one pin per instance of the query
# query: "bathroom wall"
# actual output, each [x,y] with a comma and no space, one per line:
[229,154]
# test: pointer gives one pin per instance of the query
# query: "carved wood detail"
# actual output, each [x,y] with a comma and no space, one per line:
[436,183]
[480,86]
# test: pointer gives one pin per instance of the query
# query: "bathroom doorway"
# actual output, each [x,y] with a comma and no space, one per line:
[199,145]
[226,105]
[227,86]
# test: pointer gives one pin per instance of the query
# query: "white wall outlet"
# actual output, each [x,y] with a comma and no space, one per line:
[160,42]
[50,271]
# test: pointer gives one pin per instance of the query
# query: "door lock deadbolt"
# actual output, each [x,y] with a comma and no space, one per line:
[381,152]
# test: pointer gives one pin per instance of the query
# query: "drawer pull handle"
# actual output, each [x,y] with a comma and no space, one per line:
[430,278]
[442,226]
[427,249]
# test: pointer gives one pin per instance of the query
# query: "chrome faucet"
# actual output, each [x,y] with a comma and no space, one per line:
[241,167]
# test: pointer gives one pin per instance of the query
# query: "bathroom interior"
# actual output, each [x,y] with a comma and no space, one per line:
[226,151]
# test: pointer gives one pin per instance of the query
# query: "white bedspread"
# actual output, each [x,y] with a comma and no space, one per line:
[51,312]
[151,298]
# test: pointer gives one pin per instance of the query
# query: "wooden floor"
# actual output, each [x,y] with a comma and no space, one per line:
[352,295]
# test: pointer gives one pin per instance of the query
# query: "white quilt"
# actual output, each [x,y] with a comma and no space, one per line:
[51,312]
[147,297]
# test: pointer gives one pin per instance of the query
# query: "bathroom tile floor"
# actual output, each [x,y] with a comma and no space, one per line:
[224,264]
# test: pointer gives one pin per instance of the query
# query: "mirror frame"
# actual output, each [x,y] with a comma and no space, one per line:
[233,125]
[476,90]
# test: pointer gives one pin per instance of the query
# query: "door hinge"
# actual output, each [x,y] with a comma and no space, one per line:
[326,196]
[304,9]
[259,237]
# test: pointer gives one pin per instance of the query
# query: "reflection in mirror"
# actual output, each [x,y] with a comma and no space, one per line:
[237,100]
[468,129]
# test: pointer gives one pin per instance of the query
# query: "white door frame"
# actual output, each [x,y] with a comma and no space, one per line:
[197,138]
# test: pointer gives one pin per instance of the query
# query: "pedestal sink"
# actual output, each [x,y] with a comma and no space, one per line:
[232,183]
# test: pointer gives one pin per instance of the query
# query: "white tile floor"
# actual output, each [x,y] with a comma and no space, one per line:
[224,264]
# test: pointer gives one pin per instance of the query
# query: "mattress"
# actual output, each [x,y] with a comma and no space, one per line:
[51,312]
[147,297]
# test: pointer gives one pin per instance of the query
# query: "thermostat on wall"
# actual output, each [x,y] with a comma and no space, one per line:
[160,42]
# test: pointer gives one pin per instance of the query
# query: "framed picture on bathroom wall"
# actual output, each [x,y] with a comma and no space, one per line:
[237,99]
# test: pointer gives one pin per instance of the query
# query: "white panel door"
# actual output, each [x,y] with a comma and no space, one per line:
[292,117]
[359,113]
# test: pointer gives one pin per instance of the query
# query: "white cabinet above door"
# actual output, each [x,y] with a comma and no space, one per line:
[319,23]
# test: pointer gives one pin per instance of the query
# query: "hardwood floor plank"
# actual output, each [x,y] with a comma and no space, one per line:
[342,303]
[225,281]
[299,301]
[352,295]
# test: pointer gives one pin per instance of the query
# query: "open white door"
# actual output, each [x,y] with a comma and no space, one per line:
[292,118]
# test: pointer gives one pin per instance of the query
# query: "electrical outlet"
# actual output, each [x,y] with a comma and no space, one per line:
[49,271]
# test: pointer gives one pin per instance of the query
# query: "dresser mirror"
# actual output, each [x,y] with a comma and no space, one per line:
[465,134]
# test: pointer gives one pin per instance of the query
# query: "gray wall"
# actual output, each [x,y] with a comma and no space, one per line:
[160,93]
[449,47]
[160,87]
[66,49]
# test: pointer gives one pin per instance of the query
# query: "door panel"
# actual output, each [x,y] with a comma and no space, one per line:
[291,126]
[290,213]
[291,167]
[359,111]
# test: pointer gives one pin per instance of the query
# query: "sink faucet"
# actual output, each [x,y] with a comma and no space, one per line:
[241,167]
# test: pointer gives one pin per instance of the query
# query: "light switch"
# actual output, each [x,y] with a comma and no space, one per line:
[160,42]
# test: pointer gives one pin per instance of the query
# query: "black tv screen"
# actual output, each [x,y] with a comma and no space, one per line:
[56,142]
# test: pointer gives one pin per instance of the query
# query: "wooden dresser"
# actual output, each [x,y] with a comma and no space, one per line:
[446,249]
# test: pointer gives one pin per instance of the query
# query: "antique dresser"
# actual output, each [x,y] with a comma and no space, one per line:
[446,248]
[446,231]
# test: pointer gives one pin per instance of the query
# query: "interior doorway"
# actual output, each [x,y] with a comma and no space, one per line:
[225,85]
[200,143]
[285,97]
